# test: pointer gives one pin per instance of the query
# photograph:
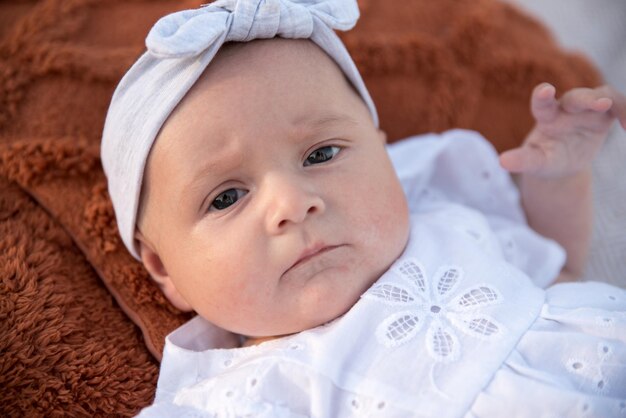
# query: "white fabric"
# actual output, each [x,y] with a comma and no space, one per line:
[454,328]
[180,47]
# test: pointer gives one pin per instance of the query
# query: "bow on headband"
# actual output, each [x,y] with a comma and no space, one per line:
[190,32]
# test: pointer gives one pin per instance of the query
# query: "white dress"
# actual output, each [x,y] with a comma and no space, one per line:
[459,326]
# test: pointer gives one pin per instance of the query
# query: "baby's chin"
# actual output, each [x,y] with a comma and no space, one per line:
[312,316]
[326,297]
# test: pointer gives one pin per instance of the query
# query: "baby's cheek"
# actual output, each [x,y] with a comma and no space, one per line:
[230,302]
[387,207]
[389,222]
[247,280]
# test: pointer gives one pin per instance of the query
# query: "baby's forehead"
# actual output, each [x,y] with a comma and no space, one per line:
[241,72]
[262,58]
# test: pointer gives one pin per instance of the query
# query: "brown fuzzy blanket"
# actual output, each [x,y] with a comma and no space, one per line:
[82,326]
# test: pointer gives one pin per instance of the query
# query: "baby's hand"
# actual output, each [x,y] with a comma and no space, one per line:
[568,133]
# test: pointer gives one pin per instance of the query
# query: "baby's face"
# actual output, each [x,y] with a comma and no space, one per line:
[272,204]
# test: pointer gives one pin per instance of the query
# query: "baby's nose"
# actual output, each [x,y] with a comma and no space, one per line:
[291,201]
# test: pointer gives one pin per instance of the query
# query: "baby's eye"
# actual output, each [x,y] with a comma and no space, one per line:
[321,155]
[227,198]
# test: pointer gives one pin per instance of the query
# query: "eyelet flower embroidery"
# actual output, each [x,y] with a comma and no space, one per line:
[438,306]
[592,369]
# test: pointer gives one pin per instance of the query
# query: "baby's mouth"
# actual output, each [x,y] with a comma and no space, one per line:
[310,255]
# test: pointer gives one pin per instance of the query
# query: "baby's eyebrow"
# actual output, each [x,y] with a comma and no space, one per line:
[196,184]
[323,121]
[214,166]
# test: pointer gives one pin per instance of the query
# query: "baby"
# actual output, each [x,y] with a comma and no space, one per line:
[251,180]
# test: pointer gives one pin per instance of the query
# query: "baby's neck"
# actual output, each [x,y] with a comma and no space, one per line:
[249,341]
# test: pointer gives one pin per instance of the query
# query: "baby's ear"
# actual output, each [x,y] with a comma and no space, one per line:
[152,262]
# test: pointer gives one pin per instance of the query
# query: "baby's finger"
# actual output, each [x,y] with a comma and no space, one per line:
[543,103]
[585,99]
[523,159]
[618,109]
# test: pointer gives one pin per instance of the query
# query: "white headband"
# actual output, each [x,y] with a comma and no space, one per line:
[180,46]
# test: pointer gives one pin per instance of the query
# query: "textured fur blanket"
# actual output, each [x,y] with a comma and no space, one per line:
[82,326]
